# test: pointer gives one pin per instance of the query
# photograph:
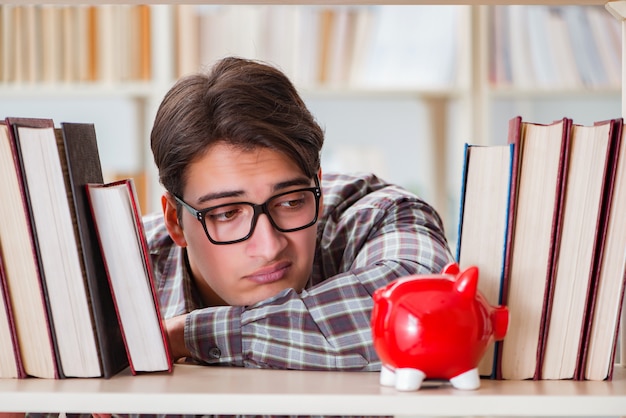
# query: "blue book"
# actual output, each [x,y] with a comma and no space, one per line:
[484,224]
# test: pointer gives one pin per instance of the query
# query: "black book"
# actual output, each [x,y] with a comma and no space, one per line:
[79,152]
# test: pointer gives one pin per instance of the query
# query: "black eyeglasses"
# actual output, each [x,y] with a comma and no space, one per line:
[234,222]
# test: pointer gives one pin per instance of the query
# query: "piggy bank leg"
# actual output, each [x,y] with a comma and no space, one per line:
[409,379]
[468,380]
[387,376]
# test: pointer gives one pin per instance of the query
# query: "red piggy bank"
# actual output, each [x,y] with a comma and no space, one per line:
[434,327]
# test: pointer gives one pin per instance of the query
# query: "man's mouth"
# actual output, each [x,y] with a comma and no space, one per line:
[270,274]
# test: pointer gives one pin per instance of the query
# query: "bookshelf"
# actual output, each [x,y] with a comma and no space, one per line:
[191,389]
[548,89]
[215,390]
[456,112]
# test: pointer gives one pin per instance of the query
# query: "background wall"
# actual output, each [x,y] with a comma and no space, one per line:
[365,71]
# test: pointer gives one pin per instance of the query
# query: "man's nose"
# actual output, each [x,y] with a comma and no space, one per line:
[266,241]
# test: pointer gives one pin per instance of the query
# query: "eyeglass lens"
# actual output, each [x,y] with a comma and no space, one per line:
[287,212]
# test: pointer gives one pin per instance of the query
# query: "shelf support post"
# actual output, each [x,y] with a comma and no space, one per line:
[618,10]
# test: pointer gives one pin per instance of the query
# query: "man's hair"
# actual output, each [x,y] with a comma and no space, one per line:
[244,103]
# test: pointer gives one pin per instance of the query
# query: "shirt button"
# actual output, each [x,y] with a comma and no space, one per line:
[215,352]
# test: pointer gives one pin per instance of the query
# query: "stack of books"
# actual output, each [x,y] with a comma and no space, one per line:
[73,260]
[542,218]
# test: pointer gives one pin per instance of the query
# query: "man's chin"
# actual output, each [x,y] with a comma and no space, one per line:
[268,293]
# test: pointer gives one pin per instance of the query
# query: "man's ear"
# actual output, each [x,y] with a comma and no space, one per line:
[174,227]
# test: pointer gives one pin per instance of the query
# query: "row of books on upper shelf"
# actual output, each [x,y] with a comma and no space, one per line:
[74,43]
[543,219]
[77,296]
[363,46]
[554,47]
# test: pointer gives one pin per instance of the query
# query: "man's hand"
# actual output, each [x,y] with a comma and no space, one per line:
[175,329]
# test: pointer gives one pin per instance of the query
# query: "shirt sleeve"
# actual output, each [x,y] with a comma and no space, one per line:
[327,326]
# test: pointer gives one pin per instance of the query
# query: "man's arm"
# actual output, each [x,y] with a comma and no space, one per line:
[175,329]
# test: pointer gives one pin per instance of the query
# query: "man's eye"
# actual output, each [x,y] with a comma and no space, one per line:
[289,203]
[224,214]
[293,203]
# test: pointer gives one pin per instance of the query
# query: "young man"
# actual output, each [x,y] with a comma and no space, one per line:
[262,260]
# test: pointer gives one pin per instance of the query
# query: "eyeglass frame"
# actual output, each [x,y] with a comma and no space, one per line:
[258,210]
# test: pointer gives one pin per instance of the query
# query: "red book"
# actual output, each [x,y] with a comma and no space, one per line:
[11,365]
[541,159]
[577,245]
[607,291]
[25,286]
[124,248]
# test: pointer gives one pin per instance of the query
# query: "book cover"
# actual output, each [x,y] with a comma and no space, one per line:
[21,264]
[79,153]
[125,251]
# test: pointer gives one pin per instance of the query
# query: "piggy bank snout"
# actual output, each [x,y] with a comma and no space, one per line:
[500,321]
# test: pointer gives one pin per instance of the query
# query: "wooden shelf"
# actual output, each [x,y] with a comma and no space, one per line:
[564,93]
[225,390]
[334,2]
[88,89]
[383,92]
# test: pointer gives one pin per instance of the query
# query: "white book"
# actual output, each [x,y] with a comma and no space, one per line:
[59,255]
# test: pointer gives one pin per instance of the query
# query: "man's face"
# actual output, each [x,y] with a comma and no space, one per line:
[269,261]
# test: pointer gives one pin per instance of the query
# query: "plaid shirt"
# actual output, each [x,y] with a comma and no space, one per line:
[370,233]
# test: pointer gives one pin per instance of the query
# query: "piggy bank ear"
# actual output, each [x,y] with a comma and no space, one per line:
[452,269]
[467,283]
